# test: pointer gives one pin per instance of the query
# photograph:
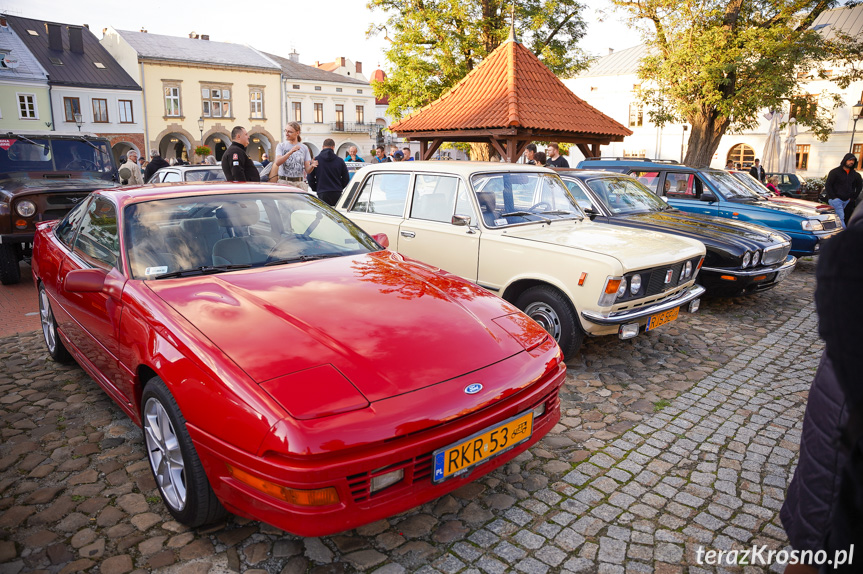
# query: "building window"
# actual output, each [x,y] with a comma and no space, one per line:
[636,115]
[100,111]
[806,110]
[298,112]
[256,104]
[741,155]
[72,106]
[296,86]
[172,101]
[338,89]
[361,115]
[319,113]
[27,107]
[317,88]
[126,115]
[359,91]
[802,156]
[635,153]
[216,101]
[856,150]
[340,117]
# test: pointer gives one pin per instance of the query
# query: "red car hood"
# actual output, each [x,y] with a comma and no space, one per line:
[390,325]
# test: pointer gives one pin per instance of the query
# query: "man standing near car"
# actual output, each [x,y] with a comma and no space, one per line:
[156,163]
[556,160]
[236,164]
[757,171]
[130,173]
[331,176]
[843,185]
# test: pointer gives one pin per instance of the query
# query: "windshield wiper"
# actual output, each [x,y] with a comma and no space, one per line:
[301,258]
[29,141]
[205,270]
[558,212]
[523,214]
[89,143]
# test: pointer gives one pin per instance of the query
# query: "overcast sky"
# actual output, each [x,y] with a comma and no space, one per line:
[319,30]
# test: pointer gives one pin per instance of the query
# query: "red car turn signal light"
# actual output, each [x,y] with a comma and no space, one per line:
[299,497]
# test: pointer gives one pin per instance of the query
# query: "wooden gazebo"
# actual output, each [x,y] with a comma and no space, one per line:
[508,101]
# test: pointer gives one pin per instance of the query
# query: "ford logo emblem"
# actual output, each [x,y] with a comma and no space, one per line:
[473,388]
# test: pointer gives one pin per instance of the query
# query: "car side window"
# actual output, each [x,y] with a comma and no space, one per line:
[681,186]
[171,177]
[69,226]
[463,205]
[384,194]
[157,177]
[649,179]
[579,195]
[98,241]
[434,198]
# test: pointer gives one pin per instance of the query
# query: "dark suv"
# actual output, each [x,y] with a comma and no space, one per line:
[43,176]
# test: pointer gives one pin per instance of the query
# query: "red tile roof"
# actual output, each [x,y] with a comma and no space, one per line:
[511,88]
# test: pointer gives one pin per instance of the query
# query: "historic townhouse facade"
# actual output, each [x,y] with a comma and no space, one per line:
[611,82]
[88,90]
[327,105]
[196,91]
[25,104]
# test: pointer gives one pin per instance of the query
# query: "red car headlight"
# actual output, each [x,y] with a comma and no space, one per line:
[317,392]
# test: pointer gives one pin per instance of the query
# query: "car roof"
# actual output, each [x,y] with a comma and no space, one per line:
[636,163]
[150,192]
[189,167]
[464,168]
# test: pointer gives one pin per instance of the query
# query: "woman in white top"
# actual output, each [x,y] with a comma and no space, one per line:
[293,159]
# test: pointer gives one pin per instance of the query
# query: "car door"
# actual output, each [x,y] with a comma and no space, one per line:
[95,316]
[683,190]
[379,206]
[428,233]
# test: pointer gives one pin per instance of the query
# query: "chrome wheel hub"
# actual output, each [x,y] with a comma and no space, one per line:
[547,318]
[166,459]
[47,319]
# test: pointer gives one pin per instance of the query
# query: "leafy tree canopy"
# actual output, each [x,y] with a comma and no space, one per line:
[717,64]
[436,43]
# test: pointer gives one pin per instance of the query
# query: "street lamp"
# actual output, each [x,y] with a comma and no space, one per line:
[856,109]
[201,127]
[79,120]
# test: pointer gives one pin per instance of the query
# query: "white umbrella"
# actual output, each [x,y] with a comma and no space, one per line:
[789,159]
[772,153]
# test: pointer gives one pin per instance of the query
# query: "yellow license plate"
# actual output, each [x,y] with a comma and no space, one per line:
[662,318]
[454,459]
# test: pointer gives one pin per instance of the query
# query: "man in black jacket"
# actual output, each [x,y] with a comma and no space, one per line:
[331,176]
[156,163]
[757,171]
[235,163]
[843,186]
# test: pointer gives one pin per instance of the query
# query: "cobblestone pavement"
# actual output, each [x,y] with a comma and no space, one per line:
[682,438]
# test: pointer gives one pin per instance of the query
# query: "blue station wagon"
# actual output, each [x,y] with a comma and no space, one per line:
[716,192]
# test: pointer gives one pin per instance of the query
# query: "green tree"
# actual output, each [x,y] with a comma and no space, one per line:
[435,43]
[718,64]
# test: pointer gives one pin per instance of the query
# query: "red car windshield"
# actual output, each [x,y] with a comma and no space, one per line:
[196,235]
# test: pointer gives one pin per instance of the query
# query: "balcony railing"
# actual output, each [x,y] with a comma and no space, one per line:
[345,127]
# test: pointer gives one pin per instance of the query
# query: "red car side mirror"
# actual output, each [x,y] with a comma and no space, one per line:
[382,239]
[85,281]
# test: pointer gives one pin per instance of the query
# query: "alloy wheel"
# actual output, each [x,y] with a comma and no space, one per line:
[547,318]
[47,318]
[166,458]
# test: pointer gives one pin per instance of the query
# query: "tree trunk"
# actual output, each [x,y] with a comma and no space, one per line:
[483,152]
[707,131]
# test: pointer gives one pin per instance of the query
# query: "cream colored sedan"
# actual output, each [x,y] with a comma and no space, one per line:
[515,230]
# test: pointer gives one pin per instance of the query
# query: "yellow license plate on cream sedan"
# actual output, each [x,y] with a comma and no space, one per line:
[455,458]
[662,318]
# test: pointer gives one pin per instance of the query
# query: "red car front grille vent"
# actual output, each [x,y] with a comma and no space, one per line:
[416,469]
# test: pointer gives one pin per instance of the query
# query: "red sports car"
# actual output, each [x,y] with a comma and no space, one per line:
[282,363]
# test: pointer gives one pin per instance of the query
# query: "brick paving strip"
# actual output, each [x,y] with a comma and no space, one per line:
[679,439]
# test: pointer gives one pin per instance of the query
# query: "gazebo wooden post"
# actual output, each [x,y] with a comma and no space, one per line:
[585,150]
[424,155]
[511,145]
[496,144]
[595,149]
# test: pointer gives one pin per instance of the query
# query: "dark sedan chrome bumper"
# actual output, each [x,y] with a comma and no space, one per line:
[785,267]
[621,317]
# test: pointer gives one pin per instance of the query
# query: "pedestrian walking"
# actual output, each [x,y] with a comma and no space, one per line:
[331,175]
[130,173]
[354,155]
[293,159]
[236,163]
[843,186]
[156,163]
[556,159]
[757,171]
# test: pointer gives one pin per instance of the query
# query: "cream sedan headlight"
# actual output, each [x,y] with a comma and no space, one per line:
[621,291]
[635,284]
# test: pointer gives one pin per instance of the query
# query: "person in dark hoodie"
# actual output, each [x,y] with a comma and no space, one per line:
[236,164]
[843,186]
[331,176]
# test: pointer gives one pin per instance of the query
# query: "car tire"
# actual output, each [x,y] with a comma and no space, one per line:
[10,272]
[175,465]
[554,313]
[56,349]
